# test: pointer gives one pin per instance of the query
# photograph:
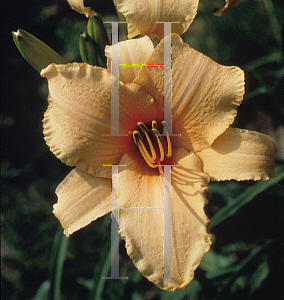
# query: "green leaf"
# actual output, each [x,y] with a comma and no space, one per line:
[257,257]
[212,261]
[190,292]
[104,272]
[136,296]
[58,255]
[259,62]
[244,198]
[43,291]
[259,276]
[34,51]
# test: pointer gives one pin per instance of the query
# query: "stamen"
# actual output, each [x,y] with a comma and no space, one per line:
[145,131]
[166,129]
[138,141]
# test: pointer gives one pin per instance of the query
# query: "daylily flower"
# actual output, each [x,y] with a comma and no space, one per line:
[205,97]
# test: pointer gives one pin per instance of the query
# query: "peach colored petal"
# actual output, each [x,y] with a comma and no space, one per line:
[132,54]
[78,5]
[79,113]
[205,97]
[82,198]
[229,4]
[239,154]
[141,223]
[142,16]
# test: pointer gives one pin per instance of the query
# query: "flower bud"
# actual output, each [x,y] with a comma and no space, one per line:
[34,51]
[97,32]
[88,50]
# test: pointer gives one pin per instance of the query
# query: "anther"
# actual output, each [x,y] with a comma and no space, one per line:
[154,124]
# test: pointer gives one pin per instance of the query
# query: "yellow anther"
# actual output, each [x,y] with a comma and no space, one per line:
[136,136]
[166,130]
[154,125]
[145,131]
[138,141]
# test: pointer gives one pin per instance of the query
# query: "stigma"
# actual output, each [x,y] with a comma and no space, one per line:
[154,140]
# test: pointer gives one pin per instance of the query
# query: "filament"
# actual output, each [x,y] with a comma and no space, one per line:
[138,141]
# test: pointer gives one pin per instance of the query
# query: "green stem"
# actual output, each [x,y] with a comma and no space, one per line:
[58,254]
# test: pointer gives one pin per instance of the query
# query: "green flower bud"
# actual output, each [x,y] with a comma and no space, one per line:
[34,51]
[97,32]
[88,50]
